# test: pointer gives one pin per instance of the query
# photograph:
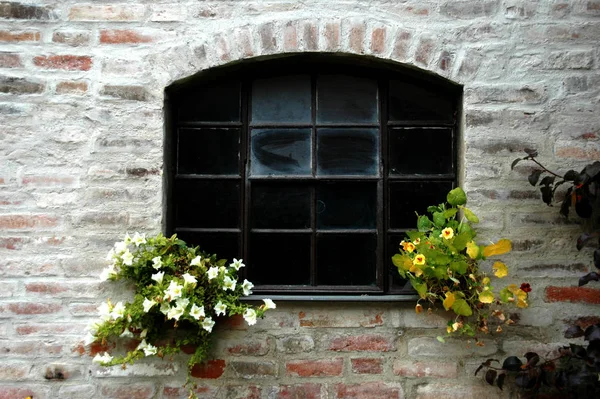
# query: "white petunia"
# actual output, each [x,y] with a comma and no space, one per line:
[197,312]
[157,262]
[89,339]
[188,279]
[150,350]
[144,333]
[110,255]
[138,239]
[237,264]
[104,311]
[269,304]
[148,304]
[196,261]
[164,308]
[228,284]
[250,316]
[174,290]
[158,277]
[102,359]
[107,273]
[182,303]
[247,287]
[93,326]
[127,258]
[208,324]
[142,345]
[120,247]
[126,334]
[213,272]
[127,239]
[220,308]
[174,313]
[118,311]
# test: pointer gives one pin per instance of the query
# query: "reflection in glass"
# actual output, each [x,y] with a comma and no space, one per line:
[409,102]
[220,103]
[280,206]
[207,204]
[406,198]
[208,151]
[225,245]
[420,150]
[280,151]
[348,259]
[280,259]
[346,205]
[346,99]
[347,151]
[282,99]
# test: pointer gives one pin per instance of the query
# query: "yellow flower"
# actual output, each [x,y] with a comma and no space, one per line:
[419,260]
[486,296]
[409,246]
[417,271]
[418,308]
[417,241]
[447,233]
[472,249]
[500,269]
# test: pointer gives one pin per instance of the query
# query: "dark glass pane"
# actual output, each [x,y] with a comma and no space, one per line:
[348,259]
[406,198]
[218,103]
[280,206]
[207,203]
[208,151]
[345,151]
[282,99]
[346,99]
[409,102]
[277,258]
[281,151]
[397,283]
[343,205]
[224,245]
[420,151]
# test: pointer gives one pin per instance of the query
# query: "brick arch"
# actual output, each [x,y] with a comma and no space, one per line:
[374,38]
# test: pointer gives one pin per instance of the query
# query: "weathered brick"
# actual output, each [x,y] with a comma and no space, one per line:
[578,59]
[297,391]
[505,94]
[72,38]
[332,36]
[27,221]
[14,10]
[19,36]
[123,36]
[178,392]
[249,347]
[372,343]
[356,37]
[437,390]
[66,62]
[244,39]
[315,368]
[72,87]
[128,391]
[133,93]
[368,390]
[424,52]
[401,45]
[27,308]
[49,329]
[34,391]
[340,318]
[20,86]
[436,369]
[254,369]
[10,60]
[14,372]
[57,289]
[470,9]
[310,36]
[573,294]
[76,391]
[210,369]
[47,181]
[267,38]
[378,40]
[367,365]
[296,344]
[430,347]
[30,348]
[105,12]
[470,64]
[290,37]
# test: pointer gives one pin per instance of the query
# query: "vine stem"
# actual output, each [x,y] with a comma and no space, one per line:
[545,169]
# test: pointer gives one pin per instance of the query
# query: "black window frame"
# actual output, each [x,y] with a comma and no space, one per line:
[388,282]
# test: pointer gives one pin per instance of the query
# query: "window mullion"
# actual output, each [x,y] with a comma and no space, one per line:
[382,212]
[244,168]
[313,239]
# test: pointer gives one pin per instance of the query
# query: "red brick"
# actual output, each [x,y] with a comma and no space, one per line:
[12,392]
[369,390]
[332,36]
[584,322]
[579,153]
[573,294]
[249,347]
[425,369]
[202,392]
[424,51]
[27,221]
[378,40]
[30,348]
[10,60]
[210,369]
[13,243]
[51,329]
[357,35]
[71,87]
[19,36]
[124,12]
[340,319]
[129,391]
[367,366]
[66,62]
[34,308]
[123,36]
[303,391]
[315,368]
[94,348]
[376,343]
[290,37]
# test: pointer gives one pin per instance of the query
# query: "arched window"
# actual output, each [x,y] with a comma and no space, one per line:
[309,167]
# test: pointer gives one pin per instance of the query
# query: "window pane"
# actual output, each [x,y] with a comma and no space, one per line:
[409,102]
[208,151]
[224,245]
[281,151]
[420,151]
[279,259]
[219,103]
[343,205]
[345,151]
[406,198]
[282,99]
[280,206]
[346,99]
[207,204]
[346,259]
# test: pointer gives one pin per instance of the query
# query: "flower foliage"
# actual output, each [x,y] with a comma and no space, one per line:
[441,261]
[179,293]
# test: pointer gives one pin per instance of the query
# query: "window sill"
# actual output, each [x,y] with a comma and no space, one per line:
[334,298]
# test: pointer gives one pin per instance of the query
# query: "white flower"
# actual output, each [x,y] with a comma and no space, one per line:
[139,239]
[174,290]
[213,272]
[107,273]
[228,284]
[182,303]
[93,326]
[144,333]
[110,255]
[102,359]
[126,334]
[120,247]
[196,261]
[158,277]
[208,324]
[104,311]
[150,350]
[269,304]
[118,311]
[247,287]
[188,279]
[89,339]
[142,345]
[220,308]
[197,312]
[157,262]
[127,258]
[237,264]
[250,316]
[174,313]
[127,239]
[164,308]
[148,304]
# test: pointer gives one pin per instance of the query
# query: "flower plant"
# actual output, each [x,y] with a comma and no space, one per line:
[180,292]
[442,262]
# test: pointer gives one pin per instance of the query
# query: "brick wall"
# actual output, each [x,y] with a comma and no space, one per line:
[81,97]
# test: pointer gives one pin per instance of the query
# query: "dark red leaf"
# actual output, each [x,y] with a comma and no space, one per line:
[526,287]
[593,276]
[515,162]
[592,333]
[548,180]
[571,175]
[574,332]
[500,380]
[531,152]
[512,363]
[490,376]
[535,176]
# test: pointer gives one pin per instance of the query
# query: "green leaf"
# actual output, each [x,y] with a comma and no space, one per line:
[439,219]
[459,267]
[461,240]
[462,308]
[423,223]
[505,295]
[421,288]
[471,217]
[433,208]
[457,197]
[441,339]
[449,213]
